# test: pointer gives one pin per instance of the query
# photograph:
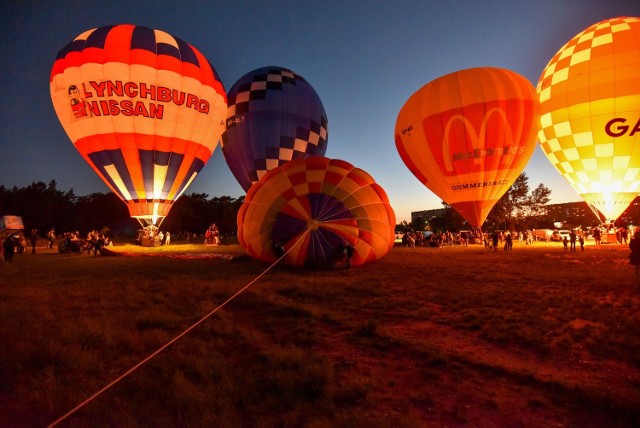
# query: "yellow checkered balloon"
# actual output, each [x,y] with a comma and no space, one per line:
[590,113]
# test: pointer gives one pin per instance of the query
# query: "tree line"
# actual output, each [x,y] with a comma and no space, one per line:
[43,206]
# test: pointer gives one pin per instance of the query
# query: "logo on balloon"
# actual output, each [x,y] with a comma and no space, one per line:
[617,127]
[130,99]
[473,138]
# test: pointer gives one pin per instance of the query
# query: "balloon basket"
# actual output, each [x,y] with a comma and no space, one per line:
[148,236]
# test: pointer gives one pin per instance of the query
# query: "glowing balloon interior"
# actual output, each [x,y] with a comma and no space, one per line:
[274,116]
[590,114]
[468,135]
[312,209]
[143,108]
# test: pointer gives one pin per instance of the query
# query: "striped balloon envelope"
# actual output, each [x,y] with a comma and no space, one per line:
[274,116]
[313,209]
[590,114]
[144,109]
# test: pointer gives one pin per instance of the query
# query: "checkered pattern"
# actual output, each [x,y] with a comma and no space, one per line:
[593,78]
[304,143]
[273,80]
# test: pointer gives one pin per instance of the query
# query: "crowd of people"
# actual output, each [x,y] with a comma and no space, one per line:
[68,242]
[72,242]
[504,239]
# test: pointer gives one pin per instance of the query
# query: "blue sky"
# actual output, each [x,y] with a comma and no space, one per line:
[364,58]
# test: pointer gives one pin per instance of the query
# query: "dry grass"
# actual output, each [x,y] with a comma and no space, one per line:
[426,336]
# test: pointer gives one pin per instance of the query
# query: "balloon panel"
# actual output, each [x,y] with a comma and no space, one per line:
[468,135]
[143,108]
[274,116]
[312,207]
[590,111]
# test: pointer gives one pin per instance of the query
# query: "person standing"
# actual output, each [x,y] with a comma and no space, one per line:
[51,236]
[8,248]
[572,240]
[508,242]
[34,239]
[634,257]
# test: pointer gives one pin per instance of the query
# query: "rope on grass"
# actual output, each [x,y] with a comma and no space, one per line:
[172,341]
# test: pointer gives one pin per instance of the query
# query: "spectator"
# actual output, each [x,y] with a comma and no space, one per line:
[34,239]
[347,250]
[508,242]
[51,237]
[9,248]
[634,257]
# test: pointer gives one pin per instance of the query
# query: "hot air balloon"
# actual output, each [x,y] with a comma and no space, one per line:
[313,209]
[144,109]
[274,116]
[468,135]
[590,114]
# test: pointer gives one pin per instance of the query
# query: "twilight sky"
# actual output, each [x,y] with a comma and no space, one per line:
[364,59]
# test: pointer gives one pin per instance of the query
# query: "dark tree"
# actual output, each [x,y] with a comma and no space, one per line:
[99,211]
[518,208]
[43,206]
[539,198]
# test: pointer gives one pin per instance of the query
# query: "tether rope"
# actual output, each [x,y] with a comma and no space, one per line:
[172,341]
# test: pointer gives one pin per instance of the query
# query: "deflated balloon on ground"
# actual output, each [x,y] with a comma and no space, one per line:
[315,210]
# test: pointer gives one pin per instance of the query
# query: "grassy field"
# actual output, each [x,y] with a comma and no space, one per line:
[424,337]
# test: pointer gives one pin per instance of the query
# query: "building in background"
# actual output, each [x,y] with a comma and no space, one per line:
[572,214]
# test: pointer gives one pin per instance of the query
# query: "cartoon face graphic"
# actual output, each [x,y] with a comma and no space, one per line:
[78,106]
[74,92]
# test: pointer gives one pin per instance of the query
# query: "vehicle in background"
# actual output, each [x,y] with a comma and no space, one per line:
[398,238]
[10,224]
[559,235]
[542,234]
[564,233]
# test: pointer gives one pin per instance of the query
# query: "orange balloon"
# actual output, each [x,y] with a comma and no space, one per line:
[590,114]
[468,135]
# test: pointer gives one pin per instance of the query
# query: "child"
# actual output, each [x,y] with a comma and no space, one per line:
[565,242]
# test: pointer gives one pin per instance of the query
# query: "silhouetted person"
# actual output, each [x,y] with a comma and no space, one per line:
[347,251]
[278,249]
[9,248]
[572,240]
[34,239]
[634,257]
